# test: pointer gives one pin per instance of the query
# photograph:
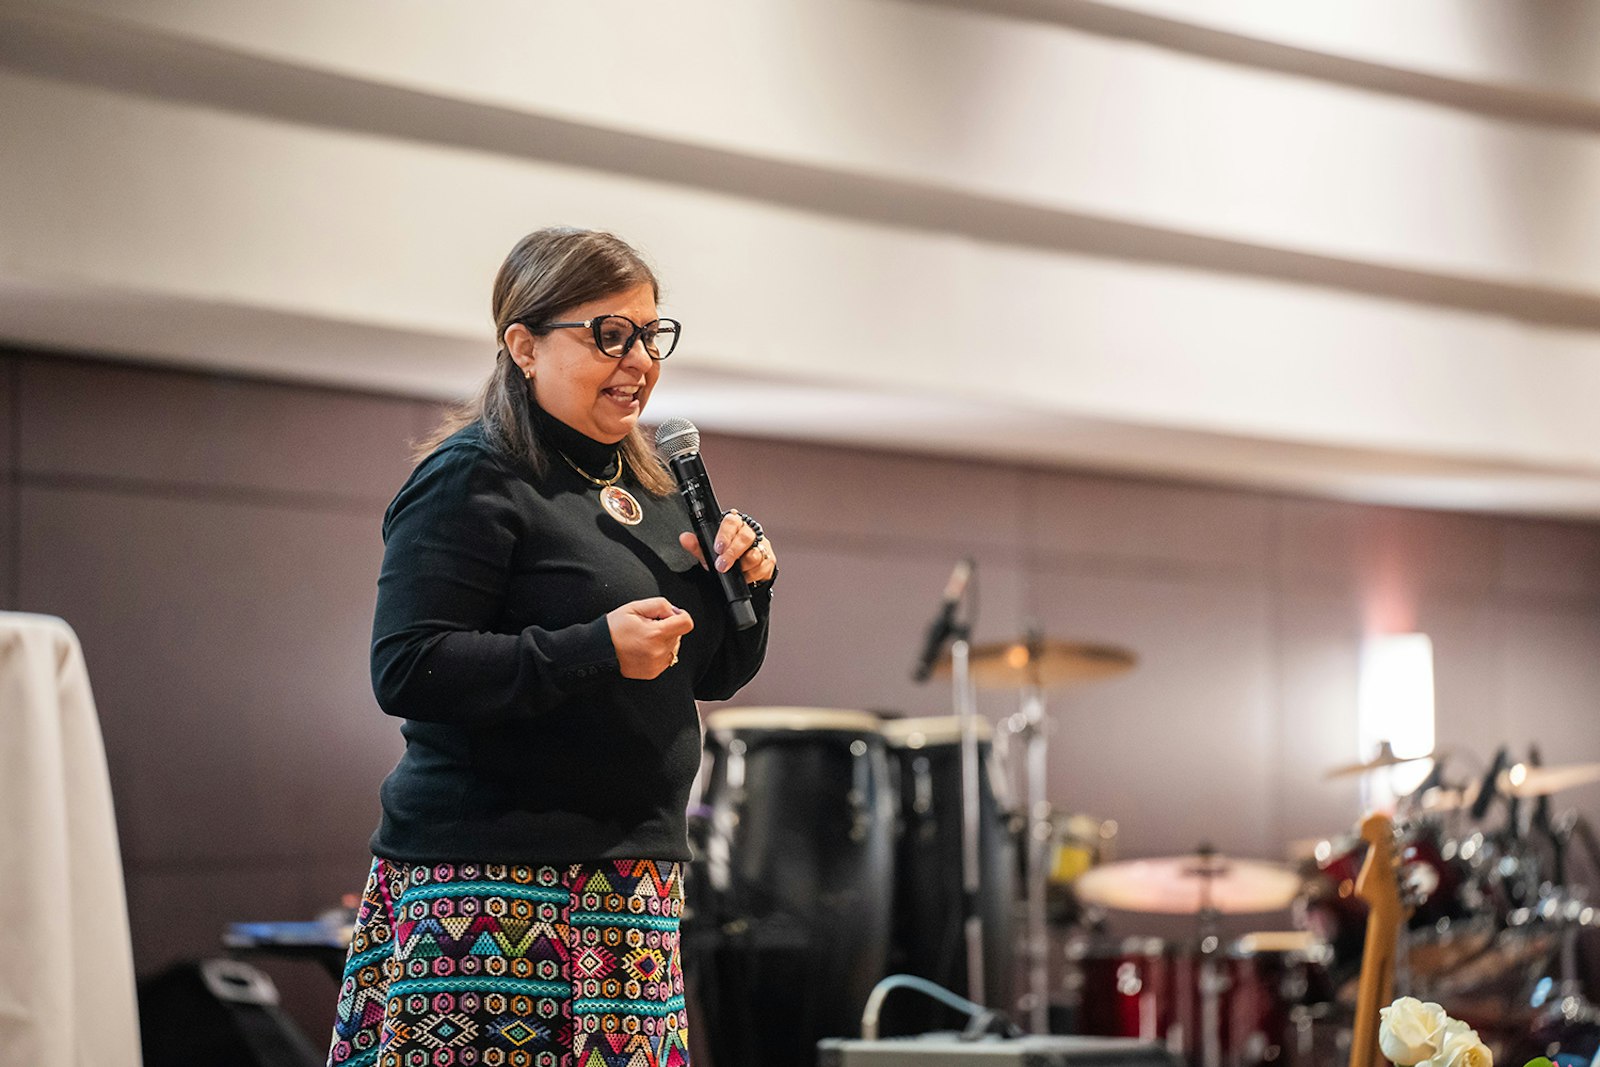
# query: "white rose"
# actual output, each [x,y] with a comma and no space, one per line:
[1410,1031]
[1461,1047]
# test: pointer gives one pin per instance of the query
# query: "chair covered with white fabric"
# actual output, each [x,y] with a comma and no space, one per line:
[67,992]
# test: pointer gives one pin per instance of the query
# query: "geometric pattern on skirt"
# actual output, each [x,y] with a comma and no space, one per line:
[499,965]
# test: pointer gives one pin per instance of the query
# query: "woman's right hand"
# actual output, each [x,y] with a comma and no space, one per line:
[645,634]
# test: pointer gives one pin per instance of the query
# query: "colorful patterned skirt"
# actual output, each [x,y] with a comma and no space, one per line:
[460,965]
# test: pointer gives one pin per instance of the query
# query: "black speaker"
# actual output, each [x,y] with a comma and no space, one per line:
[949,1050]
[218,1013]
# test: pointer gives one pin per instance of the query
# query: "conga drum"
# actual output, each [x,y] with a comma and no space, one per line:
[795,883]
[929,938]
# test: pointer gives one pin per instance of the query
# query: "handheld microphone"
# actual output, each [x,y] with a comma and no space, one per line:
[678,445]
[944,624]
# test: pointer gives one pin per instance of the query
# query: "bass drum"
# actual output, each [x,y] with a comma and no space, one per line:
[792,892]
[1449,925]
[929,938]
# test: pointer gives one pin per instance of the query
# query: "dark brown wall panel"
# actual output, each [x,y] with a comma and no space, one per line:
[1175,749]
[184,908]
[1392,555]
[847,628]
[8,506]
[1318,635]
[8,371]
[1148,525]
[1552,561]
[90,420]
[1469,657]
[227,645]
[841,498]
[8,532]
[1550,688]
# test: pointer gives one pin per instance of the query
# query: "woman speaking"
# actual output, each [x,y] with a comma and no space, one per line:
[544,626]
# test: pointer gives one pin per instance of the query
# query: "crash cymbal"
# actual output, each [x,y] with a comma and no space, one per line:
[1525,780]
[1043,663]
[1183,885]
[1384,758]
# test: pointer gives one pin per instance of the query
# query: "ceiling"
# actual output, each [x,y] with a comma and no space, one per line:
[1216,242]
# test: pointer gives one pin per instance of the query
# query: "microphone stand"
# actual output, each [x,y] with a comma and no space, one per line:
[1039,831]
[966,706]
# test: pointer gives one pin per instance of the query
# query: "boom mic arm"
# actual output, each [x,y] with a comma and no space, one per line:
[945,625]
[1491,785]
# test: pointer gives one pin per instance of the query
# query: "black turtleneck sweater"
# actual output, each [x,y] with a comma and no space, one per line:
[524,744]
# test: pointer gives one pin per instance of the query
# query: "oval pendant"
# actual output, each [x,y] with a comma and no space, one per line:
[620,505]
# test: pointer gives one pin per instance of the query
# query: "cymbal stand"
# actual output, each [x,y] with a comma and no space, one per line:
[1573,1002]
[966,702]
[1037,951]
[1212,978]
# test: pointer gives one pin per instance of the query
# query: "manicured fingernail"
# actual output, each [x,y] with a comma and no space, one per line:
[722,564]
[719,547]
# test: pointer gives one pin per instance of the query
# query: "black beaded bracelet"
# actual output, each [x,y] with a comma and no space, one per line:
[748,521]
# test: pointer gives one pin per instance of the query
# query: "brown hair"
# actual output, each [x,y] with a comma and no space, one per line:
[547,272]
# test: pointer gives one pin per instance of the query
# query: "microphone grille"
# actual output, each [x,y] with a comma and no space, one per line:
[676,437]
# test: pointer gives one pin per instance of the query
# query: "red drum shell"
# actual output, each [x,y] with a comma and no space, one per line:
[1153,990]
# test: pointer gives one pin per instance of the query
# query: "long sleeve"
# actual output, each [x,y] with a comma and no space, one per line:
[740,655]
[450,538]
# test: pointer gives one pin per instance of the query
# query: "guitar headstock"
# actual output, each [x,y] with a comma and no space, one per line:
[1378,884]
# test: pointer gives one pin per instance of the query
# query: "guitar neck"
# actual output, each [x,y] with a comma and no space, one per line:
[1379,886]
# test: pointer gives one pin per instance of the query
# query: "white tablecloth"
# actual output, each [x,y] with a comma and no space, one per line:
[67,996]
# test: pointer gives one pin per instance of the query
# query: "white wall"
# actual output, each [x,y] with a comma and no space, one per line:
[958,225]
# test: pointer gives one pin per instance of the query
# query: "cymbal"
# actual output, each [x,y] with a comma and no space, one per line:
[1045,663]
[1180,885]
[1384,758]
[1524,780]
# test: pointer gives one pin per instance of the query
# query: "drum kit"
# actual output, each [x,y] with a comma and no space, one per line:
[1491,934]
[834,848]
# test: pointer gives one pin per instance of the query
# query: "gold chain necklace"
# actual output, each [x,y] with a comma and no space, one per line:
[617,501]
[591,479]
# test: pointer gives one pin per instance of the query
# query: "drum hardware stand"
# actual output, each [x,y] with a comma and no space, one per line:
[1029,667]
[1569,992]
[724,821]
[1040,828]
[1211,980]
[954,624]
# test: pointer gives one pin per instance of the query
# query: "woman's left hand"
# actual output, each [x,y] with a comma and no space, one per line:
[737,542]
